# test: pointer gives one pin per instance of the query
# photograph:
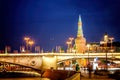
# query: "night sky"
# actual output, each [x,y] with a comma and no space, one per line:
[51,22]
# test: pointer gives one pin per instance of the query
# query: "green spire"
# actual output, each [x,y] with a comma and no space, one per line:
[80,31]
[80,18]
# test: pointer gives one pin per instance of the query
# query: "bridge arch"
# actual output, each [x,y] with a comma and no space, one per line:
[8,66]
[71,63]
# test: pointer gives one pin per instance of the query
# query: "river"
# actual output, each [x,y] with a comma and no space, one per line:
[21,75]
[34,78]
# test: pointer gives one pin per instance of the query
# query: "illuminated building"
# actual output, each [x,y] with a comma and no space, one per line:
[80,41]
[37,49]
[7,49]
[58,49]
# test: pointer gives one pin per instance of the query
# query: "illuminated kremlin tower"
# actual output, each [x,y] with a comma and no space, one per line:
[80,41]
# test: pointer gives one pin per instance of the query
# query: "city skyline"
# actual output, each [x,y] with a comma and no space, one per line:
[51,23]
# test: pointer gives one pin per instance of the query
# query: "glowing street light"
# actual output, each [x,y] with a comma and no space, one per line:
[71,39]
[26,38]
[27,42]
[106,50]
[31,42]
[105,40]
[69,43]
[106,37]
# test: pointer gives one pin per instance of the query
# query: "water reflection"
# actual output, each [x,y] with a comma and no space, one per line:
[35,78]
[21,75]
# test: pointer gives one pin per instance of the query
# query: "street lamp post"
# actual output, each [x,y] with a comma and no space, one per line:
[113,57]
[105,40]
[106,50]
[31,42]
[27,42]
[68,48]
[89,65]
[106,60]
[71,42]
[111,41]
[102,43]
[88,47]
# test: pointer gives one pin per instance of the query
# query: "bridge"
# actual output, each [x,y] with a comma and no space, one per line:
[42,61]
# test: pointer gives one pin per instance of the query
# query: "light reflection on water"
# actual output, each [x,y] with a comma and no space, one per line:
[26,76]
[35,78]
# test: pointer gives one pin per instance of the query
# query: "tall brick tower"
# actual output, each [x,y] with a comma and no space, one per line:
[80,41]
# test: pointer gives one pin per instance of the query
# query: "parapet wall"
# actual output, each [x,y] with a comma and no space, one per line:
[59,74]
[76,76]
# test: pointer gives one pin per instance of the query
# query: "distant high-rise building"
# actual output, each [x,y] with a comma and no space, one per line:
[42,51]
[37,49]
[7,49]
[58,48]
[80,41]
